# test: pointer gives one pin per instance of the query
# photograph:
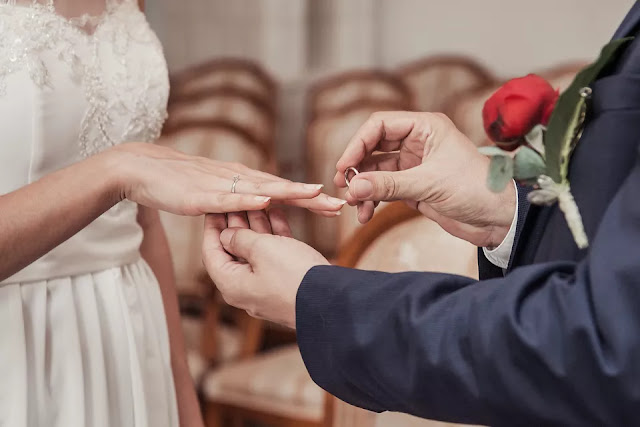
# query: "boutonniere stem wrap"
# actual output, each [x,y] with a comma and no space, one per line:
[527,117]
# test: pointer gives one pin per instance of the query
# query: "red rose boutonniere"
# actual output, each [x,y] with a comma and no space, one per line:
[535,131]
[516,108]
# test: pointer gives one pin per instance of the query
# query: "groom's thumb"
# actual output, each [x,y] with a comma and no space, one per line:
[379,186]
[239,242]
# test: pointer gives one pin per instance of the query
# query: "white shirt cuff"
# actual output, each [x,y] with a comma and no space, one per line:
[500,256]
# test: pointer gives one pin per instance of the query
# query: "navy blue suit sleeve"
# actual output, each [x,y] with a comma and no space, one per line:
[549,344]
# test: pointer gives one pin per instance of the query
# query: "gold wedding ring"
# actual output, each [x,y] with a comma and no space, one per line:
[346,174]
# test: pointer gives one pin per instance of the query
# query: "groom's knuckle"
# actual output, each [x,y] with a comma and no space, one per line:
[389,186]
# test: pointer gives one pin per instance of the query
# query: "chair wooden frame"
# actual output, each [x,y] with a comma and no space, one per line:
[486,78]
[443,59]
[267,141]
[393,214]
[179,79]
[336,81]
[227,125]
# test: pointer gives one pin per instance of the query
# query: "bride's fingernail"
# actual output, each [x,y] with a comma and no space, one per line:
[338,213]
[313,186]
[262,199]
[337,201]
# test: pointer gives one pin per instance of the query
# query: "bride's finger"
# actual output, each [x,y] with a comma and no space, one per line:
[318,203]
[327,214]
[280,190]
[203,203]
[211,247]
[259,222]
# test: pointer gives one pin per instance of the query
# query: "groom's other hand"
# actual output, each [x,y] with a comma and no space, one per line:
[255,263]
[423,159]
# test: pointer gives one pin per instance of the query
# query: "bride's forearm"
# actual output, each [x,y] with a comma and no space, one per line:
[36,218]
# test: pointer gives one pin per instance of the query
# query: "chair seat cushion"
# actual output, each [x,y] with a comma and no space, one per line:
[275,382]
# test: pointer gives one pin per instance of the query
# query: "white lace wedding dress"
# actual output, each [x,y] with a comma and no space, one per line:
[83,337]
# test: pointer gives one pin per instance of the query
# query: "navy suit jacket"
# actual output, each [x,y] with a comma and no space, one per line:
[554,341]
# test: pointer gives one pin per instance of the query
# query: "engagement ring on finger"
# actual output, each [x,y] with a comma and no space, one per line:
[346,174]
[236,178]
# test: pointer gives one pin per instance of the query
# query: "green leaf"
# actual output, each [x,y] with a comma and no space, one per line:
[492,151]
[527,164]
[500,173]
[565,118]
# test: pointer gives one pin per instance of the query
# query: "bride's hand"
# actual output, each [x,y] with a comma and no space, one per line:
[166,179]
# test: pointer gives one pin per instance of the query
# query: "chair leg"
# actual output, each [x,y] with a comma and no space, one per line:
[237,421]
[213,416]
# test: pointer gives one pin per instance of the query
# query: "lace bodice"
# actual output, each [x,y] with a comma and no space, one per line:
[126,99]
[77,77]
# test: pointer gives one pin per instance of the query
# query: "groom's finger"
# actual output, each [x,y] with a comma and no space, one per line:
[241,242]
[221,266]
[279,223]
[259,222]
[387,127]
[387,186]
[237,220]
[382,161]
[212,251]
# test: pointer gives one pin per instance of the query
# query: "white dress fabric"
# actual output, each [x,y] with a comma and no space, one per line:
[83,336]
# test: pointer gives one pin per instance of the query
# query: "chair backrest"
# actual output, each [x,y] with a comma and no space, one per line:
[561,76]
[466,112]
[434,80]
[401,239]
[327,138]
[224,73]
[338,93]
[235,106]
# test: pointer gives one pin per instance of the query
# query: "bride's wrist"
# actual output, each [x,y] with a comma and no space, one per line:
[119,176]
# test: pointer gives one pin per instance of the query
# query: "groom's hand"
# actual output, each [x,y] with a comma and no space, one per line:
[255,263]
[423,159]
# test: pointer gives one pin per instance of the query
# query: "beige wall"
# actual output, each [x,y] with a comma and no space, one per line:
[295,37]
[513,37]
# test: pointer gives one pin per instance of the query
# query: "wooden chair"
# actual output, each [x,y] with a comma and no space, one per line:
[337,94]
[435,79]
[400,239]
[224,73]
[327,137]
[237,106]
[271,388]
